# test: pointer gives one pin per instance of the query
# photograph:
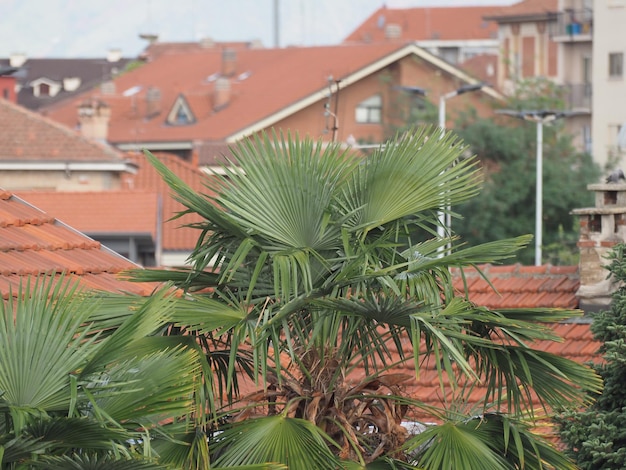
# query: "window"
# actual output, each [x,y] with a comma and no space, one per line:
[370,110]
[616,64]
[180,114]
[44,89]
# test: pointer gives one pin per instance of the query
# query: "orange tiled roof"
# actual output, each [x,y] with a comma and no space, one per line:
[526,9]
[267,84]
[427,23]
[33,243]
[27,135]
[518,287]
[158,48]
[100,212]
[482,66]
[175,236]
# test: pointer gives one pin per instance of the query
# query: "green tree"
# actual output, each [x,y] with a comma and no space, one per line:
[506,206]
[312,261]
[596,436]
[84,381]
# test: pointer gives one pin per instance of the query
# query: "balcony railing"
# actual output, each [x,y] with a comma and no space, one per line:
[577,95]
[573,25]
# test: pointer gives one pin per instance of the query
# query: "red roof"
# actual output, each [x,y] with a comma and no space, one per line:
[482,66]
[100,212]
[27,135]
[525,10]
[267,83]
[134,210]
[34,243]
[427,23]
[518,287]
[175,236]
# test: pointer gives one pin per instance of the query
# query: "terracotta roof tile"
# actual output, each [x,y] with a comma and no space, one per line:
[100,212]
[129,211]
[260,88]
[27,135]
[33,243]
[176,237]
[428,23]
[524,9]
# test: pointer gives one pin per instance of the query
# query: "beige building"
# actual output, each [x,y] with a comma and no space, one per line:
[609,87]
[551,39]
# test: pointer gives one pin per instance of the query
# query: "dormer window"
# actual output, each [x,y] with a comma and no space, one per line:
[44,87]
[180,114]
[369,110]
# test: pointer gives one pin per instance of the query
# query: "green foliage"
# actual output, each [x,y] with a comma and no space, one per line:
[596,436]
[312,261]
[85,381]
[506,206]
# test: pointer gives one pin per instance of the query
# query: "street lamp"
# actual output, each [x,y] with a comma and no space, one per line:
[541,117]
[445,219]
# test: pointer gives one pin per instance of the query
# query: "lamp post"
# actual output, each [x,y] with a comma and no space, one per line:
[445,219]
[540,117]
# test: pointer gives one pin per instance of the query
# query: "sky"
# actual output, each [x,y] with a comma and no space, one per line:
[89,28]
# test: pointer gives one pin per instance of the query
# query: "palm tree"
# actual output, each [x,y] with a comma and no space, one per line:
[311,261]
[84,380]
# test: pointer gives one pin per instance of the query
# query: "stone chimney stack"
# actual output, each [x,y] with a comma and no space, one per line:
[601,228]
[221,93]
[229,62]
[93,117]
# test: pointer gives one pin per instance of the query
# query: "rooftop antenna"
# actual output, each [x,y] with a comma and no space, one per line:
[150,37]
[277,23]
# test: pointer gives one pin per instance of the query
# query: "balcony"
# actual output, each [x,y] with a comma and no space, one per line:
[577,96]
[573,26]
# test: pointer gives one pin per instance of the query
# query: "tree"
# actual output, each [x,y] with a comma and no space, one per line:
[82,381]
[506,206]
[596,436]
[312,260]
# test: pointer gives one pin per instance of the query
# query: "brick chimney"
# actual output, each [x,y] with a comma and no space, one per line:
[93,117]
[221,93]
[229,62]
[601,228]
[153,102]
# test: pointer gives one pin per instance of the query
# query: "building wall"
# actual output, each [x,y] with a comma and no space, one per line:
[609,93]
[59,181]
[409,71]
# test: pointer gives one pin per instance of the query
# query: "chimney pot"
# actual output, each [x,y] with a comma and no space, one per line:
[93,117]
[221,93]
[229,62]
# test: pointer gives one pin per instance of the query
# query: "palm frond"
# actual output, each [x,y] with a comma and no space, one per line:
[293,442]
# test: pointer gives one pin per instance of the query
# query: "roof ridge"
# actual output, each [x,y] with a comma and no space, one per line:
[62,128]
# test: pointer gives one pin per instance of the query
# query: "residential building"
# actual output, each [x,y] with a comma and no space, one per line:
[609,83]
[139,221]
[550,39]
[455,34]
[33,243]
[41,82]
[36,152]
[207,98]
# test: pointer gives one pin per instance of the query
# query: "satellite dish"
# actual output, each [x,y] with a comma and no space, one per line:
[132,90]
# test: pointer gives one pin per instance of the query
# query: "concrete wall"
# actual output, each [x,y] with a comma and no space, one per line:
[59,180]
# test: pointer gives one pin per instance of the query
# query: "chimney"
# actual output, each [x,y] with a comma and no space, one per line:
[153,102]
[71,83]
[114,55]
[221,93]
[601,228]
[93,117]
[17,59]
[229,62]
